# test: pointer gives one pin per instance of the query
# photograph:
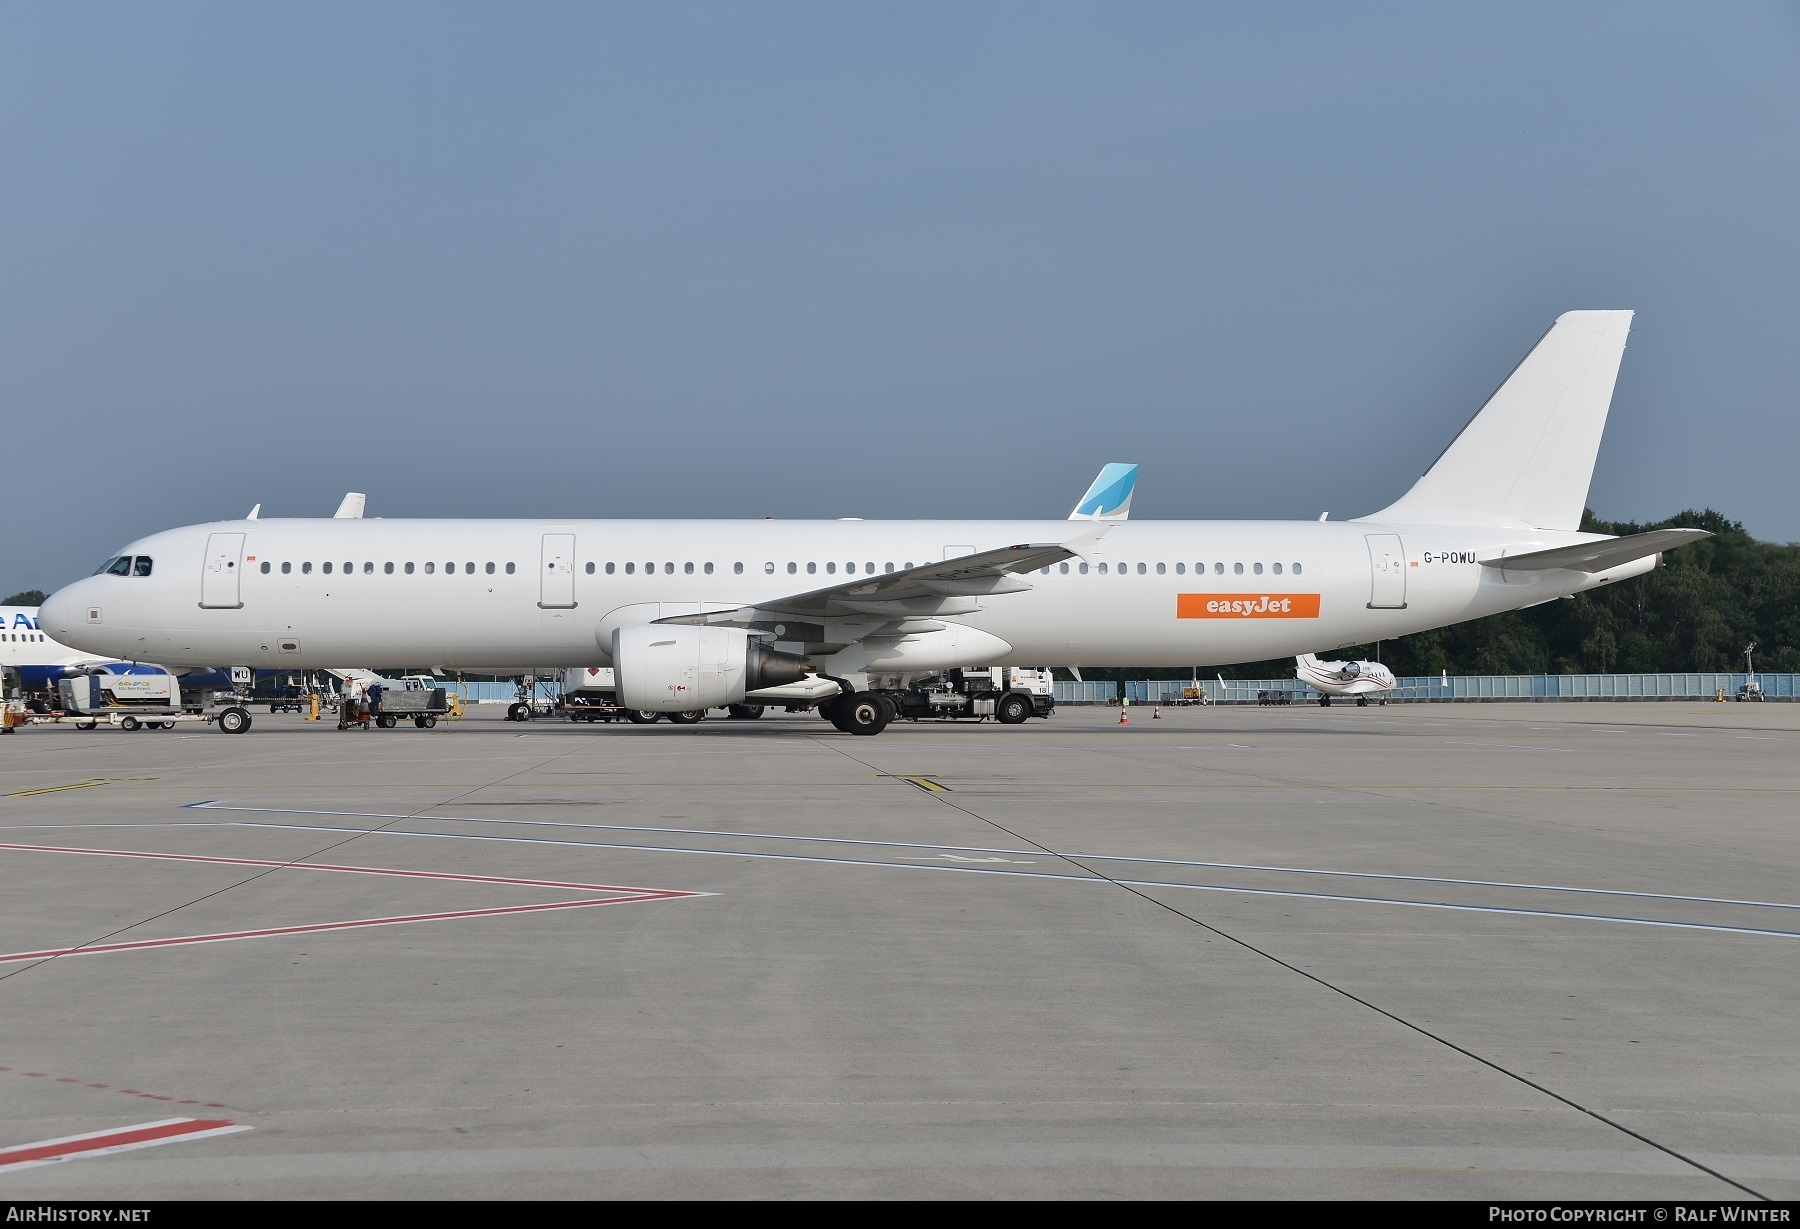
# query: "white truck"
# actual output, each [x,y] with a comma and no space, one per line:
[1008,694]
[589,693]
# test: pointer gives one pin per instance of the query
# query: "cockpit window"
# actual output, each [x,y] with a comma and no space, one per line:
[117,567]
[141,565]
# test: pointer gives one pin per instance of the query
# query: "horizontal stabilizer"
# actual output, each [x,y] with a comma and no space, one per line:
[1526,458]
[1109,498]
[1601,555]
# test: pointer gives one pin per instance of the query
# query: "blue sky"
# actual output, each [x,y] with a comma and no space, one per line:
[848,260]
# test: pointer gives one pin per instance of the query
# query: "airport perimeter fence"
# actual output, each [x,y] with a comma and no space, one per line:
[1466,687]
[1456,687]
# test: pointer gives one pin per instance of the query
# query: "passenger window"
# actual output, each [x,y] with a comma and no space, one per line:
[141,566]
[887,567]
[509,569]
[630,568]
[831,568]
[450,568]
[668,569]
[327,569]
[120,566]
[1180,569]
[1084,569]
[1142,569]
[368,569]
[709,569]
[409,569]
[1278,569]
[1219,569]
[737,569]
[349,568]
[687,569]
[609,569]
[590,568]
[388,568]
[1063,568]
[1296,569]
[909,565]
[306,569]
[792,568]
[469,568]
[1237,569]
[1103,569]
[286,568]
[769,567]
[430,567]
[811,568]
[1161,569]
[265,567]
[1257,568]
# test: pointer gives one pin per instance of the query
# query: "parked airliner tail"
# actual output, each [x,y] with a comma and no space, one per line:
[1525,459]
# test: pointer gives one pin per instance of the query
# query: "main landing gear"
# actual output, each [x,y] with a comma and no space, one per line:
[862,712]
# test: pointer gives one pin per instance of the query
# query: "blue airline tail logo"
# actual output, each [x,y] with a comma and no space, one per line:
[1109,499]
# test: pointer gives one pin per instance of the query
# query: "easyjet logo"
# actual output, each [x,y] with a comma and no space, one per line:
[1246,605]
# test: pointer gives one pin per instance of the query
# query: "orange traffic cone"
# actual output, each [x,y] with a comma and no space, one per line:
[1123,719]
[1156,713]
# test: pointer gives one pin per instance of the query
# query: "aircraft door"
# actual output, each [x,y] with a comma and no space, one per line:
[1387,572]
[556,572]
[219,577]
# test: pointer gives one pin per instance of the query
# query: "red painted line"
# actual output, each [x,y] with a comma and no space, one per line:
[95,1143]
[321,866]
[358,923]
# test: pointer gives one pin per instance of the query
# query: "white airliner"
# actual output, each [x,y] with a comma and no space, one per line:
[699,614]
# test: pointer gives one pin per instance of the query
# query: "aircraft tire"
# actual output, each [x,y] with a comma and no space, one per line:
[743,712]
[1324,701]
[234,721]
[693,716]
[1013,709]
[1362,701]
[864,713]
[642,716]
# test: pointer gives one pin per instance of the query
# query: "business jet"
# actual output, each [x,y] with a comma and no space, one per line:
[701,614]
[1361,679]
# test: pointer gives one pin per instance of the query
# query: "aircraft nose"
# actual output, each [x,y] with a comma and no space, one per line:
[64,611]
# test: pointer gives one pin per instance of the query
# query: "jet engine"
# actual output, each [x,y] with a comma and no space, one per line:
[670,668]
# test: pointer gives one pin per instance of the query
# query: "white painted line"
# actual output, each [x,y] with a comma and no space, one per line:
[839,840]
[1505,746]
[972,870]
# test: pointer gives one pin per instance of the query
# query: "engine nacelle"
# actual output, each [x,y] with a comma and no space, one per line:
[671,668]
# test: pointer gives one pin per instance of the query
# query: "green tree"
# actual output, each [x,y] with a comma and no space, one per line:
[27,597]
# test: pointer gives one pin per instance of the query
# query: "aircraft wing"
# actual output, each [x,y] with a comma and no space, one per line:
[946,587]
[1599,556]
[949,587]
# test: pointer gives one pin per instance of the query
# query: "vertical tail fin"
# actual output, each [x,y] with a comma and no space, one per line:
[1526,458]
[1109,498]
